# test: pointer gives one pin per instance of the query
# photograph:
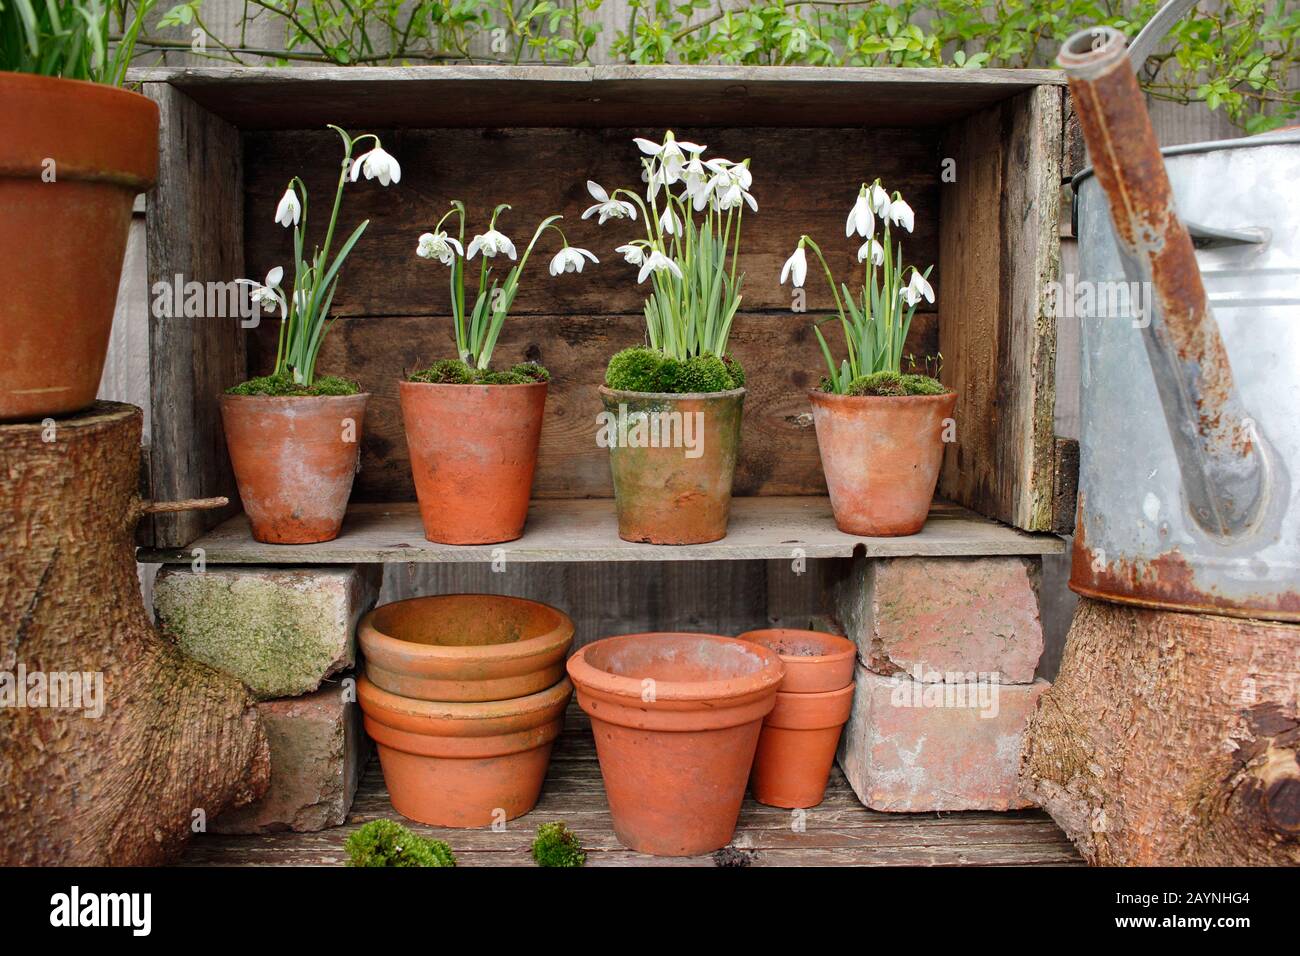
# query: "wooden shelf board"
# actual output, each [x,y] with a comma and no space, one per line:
[595,97]
[569,530]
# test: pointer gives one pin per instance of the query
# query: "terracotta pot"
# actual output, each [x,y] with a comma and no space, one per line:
[473,452]
[463,764]
[881,456]
[465,647]
[62,240]
[814,660]
[294,461]
[676,718]
[673,494]
[797,747]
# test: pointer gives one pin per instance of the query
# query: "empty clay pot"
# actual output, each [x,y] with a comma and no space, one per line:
[797,747]
[473,452]
[73,157]
[465,647]
[881,456]
[672,459]
[814,660]
[676,719]
[294,460]
[462,764]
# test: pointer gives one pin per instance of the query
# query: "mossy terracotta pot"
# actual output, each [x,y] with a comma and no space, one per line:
[473,453]
[465,647]
[294,459]
[673,458]
[676,718]
[463,764]
[73,157]
[881,456]
[797,747]
[814,661]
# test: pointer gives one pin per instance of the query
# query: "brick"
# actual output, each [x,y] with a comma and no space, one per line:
[318,750]
[906,758]
[281,631]
[950,616]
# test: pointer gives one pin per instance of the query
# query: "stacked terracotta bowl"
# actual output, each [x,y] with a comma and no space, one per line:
[802,731]
[464,695]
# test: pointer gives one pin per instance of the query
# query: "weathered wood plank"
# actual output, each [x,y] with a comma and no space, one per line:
[194,225]
[586,531]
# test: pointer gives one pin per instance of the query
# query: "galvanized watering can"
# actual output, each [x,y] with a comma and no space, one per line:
[1190,374]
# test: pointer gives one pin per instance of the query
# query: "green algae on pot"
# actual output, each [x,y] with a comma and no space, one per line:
[556,845]
[388,843]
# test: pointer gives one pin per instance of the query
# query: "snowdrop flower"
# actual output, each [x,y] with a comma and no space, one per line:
[377,164]
[730,184]
[670,155]
[795,268]
[438,245]
[669,223]
[570,259]
[658,262]
[879,200]
[861,219]
[873,249]
[267,294]
[900,213]
[300,299]
[917,289]
[698,182]
[607,208]
[289,211]
[632,254]
[490,243]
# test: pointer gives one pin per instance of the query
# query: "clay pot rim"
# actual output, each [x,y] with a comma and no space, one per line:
[664,396]
[557,638]
[741,689]
[848,651]
[285,399]
[407,383]
[379,702]
[817,396]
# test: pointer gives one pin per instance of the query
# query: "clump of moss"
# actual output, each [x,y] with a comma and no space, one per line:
[283,384]
[456,372]
[388,843]
[893,384]
[641,369]
[555,845]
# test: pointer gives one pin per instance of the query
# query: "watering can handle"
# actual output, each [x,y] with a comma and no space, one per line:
[1156,29]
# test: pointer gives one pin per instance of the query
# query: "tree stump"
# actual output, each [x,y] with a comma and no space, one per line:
[176,743]
[1171,739]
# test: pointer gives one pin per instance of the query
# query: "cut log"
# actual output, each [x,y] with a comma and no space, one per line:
[114,747]
[1171,739]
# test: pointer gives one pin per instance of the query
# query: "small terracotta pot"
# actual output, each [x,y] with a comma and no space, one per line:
[465,647]
[463,764]
[294,460]
[676,719]
[797,747]
[881,456]
[673,494]
[814,660]
[62,240]
[473,452]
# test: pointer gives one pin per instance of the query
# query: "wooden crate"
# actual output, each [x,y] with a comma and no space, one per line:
[977,154]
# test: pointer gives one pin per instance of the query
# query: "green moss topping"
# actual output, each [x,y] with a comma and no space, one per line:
[556,846]
[892,384]
[387,843]
[641,369]
[285,385]
[456,372]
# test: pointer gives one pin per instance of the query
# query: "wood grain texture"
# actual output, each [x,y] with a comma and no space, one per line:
[999,251]
[194,226]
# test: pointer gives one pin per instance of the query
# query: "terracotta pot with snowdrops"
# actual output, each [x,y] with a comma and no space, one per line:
[472,429]
[880,430]
[673,404]
[294,436]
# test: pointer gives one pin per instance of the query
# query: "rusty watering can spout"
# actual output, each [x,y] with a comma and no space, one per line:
[1220,451]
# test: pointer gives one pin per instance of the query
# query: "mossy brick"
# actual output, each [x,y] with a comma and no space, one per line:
[279,630]
[318,750]
[915,747]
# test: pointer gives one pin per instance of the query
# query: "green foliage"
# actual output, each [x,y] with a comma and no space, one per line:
[73,39]
[456,372]
[890,383]
[283,384]
[556,846]
[641,369]
[388,843]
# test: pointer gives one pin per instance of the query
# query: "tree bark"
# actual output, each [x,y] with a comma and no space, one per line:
[177,743]
[1171,739]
